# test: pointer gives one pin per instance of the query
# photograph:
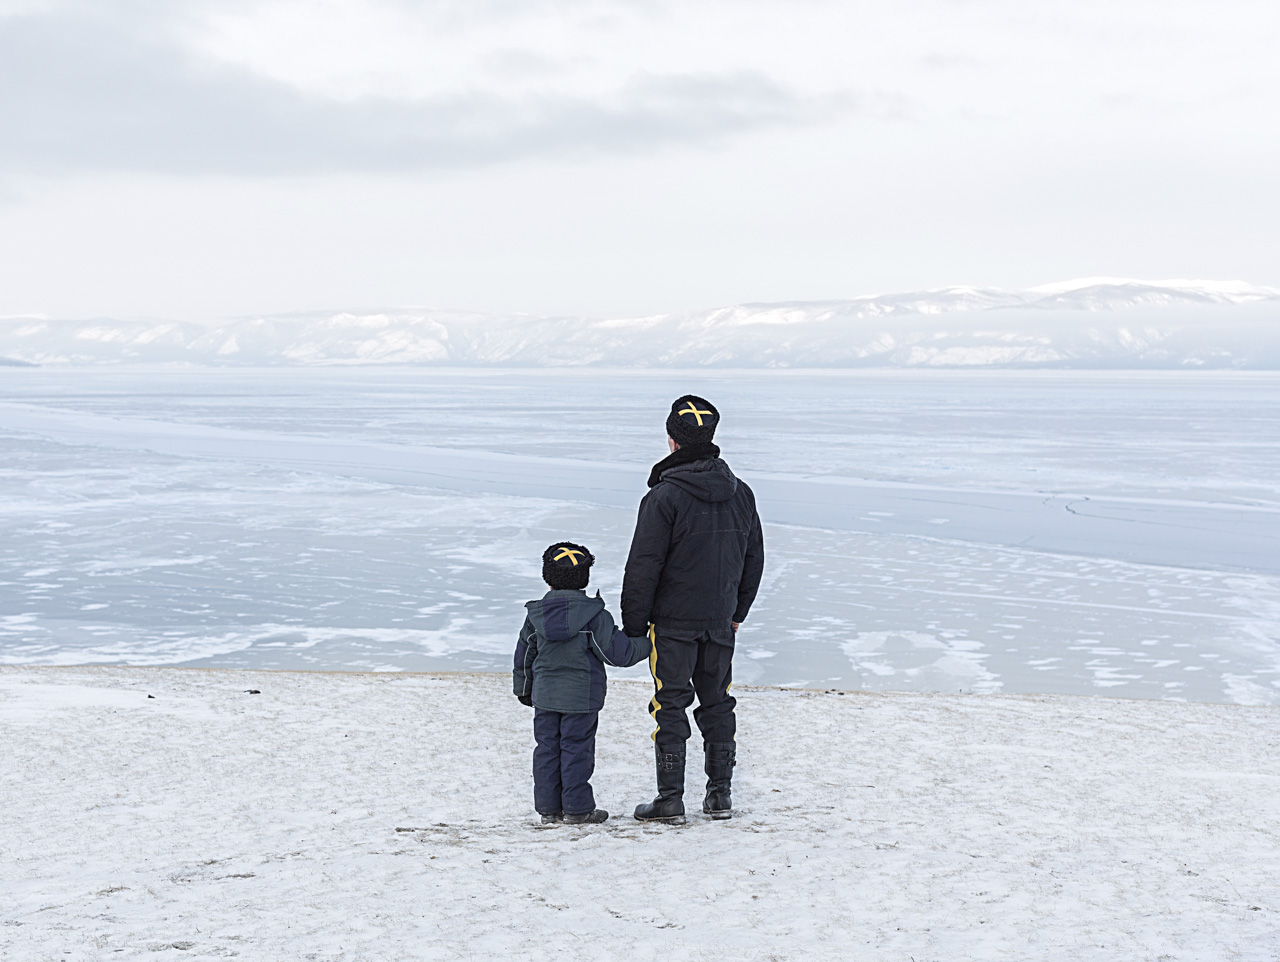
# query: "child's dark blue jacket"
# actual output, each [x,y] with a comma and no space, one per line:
[566,641]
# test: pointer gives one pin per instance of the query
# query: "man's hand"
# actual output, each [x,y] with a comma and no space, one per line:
[526,700]
[736,625]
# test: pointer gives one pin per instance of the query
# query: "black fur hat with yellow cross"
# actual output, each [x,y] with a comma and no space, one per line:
[566,565]
[692,420]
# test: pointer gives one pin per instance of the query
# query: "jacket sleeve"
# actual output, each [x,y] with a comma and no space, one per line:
[752,568]
[649,547]
[522,670]
[612,645]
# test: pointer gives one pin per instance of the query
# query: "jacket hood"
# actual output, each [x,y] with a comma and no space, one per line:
[560,614]
[706,480]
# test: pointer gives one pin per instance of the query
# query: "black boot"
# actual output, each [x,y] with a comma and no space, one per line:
[669,805]
[720,759]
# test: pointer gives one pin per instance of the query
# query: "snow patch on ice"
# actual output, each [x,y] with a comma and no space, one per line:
[960,666]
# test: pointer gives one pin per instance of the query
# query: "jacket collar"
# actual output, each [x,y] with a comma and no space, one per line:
[685,454]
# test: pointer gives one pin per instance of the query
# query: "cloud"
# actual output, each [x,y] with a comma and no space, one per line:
[88,94]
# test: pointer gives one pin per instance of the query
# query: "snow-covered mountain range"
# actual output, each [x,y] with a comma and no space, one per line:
[1088,323]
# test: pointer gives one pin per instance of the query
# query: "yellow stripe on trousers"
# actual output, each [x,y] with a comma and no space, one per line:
[654,705]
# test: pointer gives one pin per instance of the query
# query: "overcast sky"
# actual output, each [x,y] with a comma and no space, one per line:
[184,158]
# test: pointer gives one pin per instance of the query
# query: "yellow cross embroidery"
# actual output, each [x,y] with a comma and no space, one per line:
[695,412]
[568,553]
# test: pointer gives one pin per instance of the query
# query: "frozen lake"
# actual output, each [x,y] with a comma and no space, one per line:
[1110,533]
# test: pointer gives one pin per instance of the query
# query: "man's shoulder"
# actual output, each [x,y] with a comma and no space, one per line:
[664,492]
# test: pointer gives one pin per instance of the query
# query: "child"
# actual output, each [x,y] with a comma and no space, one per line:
[566,641]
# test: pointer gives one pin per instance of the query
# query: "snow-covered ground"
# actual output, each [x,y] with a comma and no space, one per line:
[1087,323]
[388,816]
[1110,533]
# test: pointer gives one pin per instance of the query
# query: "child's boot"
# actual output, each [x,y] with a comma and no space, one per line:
[669,805]
[594,817]
[720,759]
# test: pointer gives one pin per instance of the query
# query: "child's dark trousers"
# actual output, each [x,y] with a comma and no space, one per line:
[563,761]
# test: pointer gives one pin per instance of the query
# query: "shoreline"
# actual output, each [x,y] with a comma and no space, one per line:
[450,673]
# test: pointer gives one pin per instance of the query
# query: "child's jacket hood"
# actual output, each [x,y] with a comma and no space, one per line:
[560,615]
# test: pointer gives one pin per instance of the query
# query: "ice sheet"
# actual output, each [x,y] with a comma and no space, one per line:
[1150,530]
[300,521]
[1198,436]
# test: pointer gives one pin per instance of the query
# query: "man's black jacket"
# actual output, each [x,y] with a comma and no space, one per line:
[698,552]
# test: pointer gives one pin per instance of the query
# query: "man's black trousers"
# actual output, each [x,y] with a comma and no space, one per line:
[563,760]
[685,664]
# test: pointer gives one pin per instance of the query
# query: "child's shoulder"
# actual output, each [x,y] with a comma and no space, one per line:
[604,614]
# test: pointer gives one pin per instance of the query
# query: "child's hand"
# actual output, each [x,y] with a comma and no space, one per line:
[526,700]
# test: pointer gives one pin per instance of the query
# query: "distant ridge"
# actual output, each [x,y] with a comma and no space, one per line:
[1089,323]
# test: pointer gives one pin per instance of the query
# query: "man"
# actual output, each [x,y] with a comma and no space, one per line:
[693,572]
